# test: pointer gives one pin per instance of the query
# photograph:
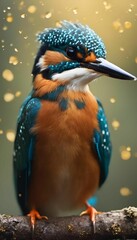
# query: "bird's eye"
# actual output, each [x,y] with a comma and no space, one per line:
[71,52]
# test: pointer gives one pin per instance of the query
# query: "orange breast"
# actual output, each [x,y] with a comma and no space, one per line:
[65,170]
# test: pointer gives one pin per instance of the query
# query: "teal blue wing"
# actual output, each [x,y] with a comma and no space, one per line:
[24,148]
[102,143]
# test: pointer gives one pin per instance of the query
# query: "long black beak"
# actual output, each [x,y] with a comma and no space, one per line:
[107,68]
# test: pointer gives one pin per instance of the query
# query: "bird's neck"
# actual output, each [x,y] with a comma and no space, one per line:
[58,91]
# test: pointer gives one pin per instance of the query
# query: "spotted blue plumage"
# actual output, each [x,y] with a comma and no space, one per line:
[53,95]
[79,104]
[60,67]
[102,143]
[73,34]
[24,149]
[63,104]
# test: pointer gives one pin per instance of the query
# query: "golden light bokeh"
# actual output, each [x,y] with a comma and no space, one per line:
[125,153]
[1,131]
[75,11]
[10,135]
[58,24]
[9,19]
[8,75]
[8,97]
[107,5]
[32,9]
[22,3]
[128,149]
[23,15]
[122,49]
[118,26]
[130,10]
[115,124]
[112,100]
[16,50]
[5,28]
[125,191]
[127,24]
[18,94]
[48,15]
[13,60]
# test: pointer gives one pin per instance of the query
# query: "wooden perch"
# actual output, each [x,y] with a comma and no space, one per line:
[110,225]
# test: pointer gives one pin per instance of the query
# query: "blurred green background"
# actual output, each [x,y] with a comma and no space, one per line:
[116,22]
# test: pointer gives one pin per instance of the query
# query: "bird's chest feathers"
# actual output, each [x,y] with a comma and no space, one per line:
[70,103]
[65,114]
[66,120]
[64,130]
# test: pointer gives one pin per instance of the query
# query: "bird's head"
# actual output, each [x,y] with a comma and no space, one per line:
[74,54]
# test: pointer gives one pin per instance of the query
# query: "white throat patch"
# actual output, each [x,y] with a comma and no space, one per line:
[77,78]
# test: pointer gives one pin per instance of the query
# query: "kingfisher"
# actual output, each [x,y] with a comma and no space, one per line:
[62,148]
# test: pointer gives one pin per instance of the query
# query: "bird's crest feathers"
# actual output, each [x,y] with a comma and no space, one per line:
[73,34]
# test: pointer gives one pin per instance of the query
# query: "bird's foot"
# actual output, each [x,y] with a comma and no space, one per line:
[92,212]
[35,215]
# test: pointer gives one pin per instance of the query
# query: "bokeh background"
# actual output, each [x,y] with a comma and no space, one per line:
[116,22]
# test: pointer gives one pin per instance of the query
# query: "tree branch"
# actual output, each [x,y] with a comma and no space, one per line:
[110,225]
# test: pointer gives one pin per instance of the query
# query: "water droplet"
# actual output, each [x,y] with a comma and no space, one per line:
[48,15]
[26,37]
[23,15]
[75,11]
[15,49]
[130,10]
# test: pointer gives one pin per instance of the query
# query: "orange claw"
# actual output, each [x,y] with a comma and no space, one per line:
[35,215]
[91,211]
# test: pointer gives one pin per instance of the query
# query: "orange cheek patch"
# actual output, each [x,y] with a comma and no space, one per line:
[53,58]
[90,58]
